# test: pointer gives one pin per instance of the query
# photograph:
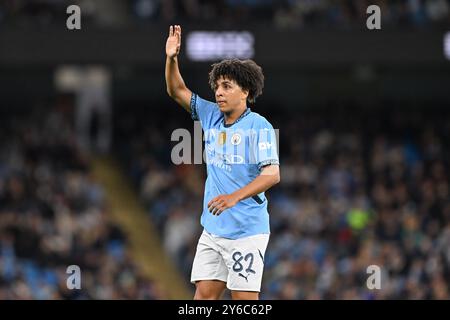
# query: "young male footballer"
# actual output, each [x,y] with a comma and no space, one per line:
[242,163]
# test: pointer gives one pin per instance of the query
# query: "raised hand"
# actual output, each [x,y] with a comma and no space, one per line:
[173,43]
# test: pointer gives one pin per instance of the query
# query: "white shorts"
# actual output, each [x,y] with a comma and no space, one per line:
[239,263]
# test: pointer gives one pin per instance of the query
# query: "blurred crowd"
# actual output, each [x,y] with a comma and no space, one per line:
[53,215]
[358,188]
[227,13]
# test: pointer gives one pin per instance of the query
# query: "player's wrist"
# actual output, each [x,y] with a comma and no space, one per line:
[238,196]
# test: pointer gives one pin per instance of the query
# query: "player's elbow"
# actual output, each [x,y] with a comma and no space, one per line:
[171,89]
[175,92]
[170,92]
[273,174]
[276,174]
[276,178]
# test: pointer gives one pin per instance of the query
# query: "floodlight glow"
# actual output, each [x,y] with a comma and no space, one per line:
[210,46]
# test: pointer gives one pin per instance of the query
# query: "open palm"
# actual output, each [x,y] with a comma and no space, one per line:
[173,43]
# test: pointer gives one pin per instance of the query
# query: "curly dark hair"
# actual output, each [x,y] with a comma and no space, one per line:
[247,74]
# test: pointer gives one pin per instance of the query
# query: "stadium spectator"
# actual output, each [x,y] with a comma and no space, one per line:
[53,214]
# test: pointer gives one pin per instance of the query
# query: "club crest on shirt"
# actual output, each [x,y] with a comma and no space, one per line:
[222,138]
[236,139]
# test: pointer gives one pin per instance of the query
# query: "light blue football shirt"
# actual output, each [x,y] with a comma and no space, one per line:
[234,156]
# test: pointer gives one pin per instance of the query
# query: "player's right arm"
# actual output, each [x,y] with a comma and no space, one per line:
[176,88]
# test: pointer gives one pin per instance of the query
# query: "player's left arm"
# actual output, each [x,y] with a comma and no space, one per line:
[269,176]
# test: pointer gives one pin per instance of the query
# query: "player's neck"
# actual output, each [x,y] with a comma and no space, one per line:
[232,116]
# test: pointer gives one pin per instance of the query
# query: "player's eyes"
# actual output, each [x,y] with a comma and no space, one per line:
[224,86]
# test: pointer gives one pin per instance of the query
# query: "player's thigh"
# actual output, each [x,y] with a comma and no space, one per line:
[245,261]
[208,262]
[209,289]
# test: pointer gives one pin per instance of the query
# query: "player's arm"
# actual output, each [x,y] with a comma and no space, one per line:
[269,176]
[176,88]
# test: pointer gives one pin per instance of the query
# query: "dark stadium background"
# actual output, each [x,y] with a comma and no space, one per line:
[364,147]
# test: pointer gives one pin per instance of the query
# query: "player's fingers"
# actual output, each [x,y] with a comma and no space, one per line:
[212,205]
[178,33]
[215,210]
[219,206]
[170,31]
[223,206]
[211,201]
[214,200]
[222,209]
[215,206]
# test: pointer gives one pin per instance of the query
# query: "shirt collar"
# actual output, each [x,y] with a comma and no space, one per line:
[246,112]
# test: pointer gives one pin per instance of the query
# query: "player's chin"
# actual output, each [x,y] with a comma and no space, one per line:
[223,108]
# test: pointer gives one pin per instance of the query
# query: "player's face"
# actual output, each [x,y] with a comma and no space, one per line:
[229,95]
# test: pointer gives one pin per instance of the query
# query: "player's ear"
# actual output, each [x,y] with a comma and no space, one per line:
[244,94]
